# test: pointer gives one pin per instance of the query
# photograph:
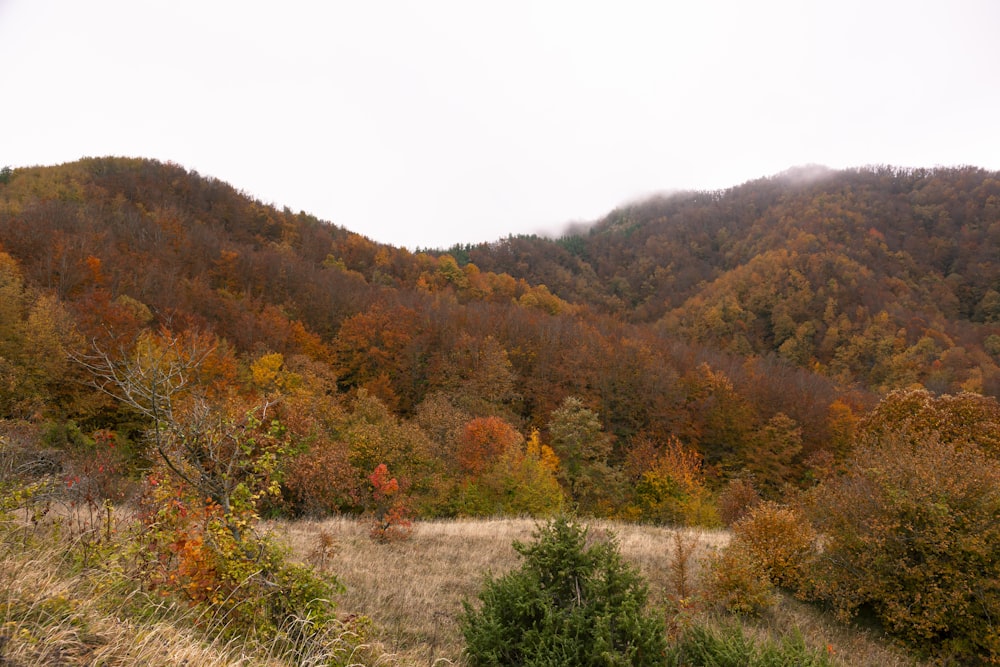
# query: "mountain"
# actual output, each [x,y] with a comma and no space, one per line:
[884,276]
[760,319]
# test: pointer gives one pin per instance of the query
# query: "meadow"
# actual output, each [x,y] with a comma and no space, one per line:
[413,589]
[60,604]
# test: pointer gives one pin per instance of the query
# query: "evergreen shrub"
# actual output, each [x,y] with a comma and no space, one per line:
[570,604]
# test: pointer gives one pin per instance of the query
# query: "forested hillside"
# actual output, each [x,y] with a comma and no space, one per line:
[172,342]
[100,250]
[886,277]
[776,309]
[702,316]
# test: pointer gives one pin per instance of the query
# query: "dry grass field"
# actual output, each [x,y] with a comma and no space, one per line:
[413,590]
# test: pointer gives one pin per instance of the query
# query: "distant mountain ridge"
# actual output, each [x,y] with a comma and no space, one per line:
[806,268]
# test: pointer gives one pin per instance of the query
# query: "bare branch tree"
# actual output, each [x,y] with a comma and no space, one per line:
[211,444]
[149,378]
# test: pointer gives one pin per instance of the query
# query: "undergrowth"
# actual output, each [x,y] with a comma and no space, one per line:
[727,645]
[74,590]
[53,610]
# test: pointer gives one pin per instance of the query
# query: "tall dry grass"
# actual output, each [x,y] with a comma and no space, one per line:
[413,590]
[57,610]
[53,612]
[49,616]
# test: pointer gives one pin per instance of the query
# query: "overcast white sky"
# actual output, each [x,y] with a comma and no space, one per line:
[431,123]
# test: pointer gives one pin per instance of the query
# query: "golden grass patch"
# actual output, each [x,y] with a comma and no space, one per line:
[413,590]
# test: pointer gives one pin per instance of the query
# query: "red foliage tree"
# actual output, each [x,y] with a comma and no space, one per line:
[390,515]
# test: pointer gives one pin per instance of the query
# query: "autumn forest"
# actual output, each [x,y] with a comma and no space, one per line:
[163,335]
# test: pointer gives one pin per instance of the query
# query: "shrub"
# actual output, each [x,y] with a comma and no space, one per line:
[911,531]
[781,539]
[239,581]
[519,483]
[322,482]
[568,604]
[531,483]
[95,474]
[680,564]
[738,582]
[389,520]
[730,647]
[668,484]
[737,499]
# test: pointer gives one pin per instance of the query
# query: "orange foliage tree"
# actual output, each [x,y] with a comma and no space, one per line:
[389,513]
[373,350]
[483,441]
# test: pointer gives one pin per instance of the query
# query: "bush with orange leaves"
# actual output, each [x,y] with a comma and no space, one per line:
[389,516]
[773,545]
[737,581]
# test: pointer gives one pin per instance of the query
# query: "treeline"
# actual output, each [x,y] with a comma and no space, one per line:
[106,249]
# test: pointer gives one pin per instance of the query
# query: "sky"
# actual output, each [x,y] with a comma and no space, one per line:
[426,124]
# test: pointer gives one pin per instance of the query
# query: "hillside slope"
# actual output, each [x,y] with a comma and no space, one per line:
[880,275]
[737,322]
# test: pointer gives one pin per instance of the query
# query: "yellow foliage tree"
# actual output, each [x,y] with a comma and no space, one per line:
[545,454]
[669,484]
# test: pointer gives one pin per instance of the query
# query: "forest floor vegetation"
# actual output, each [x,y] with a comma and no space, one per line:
[67,597]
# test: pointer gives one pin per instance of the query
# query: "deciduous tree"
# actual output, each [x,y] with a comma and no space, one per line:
[910,530]
[483,441]
[579,440]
